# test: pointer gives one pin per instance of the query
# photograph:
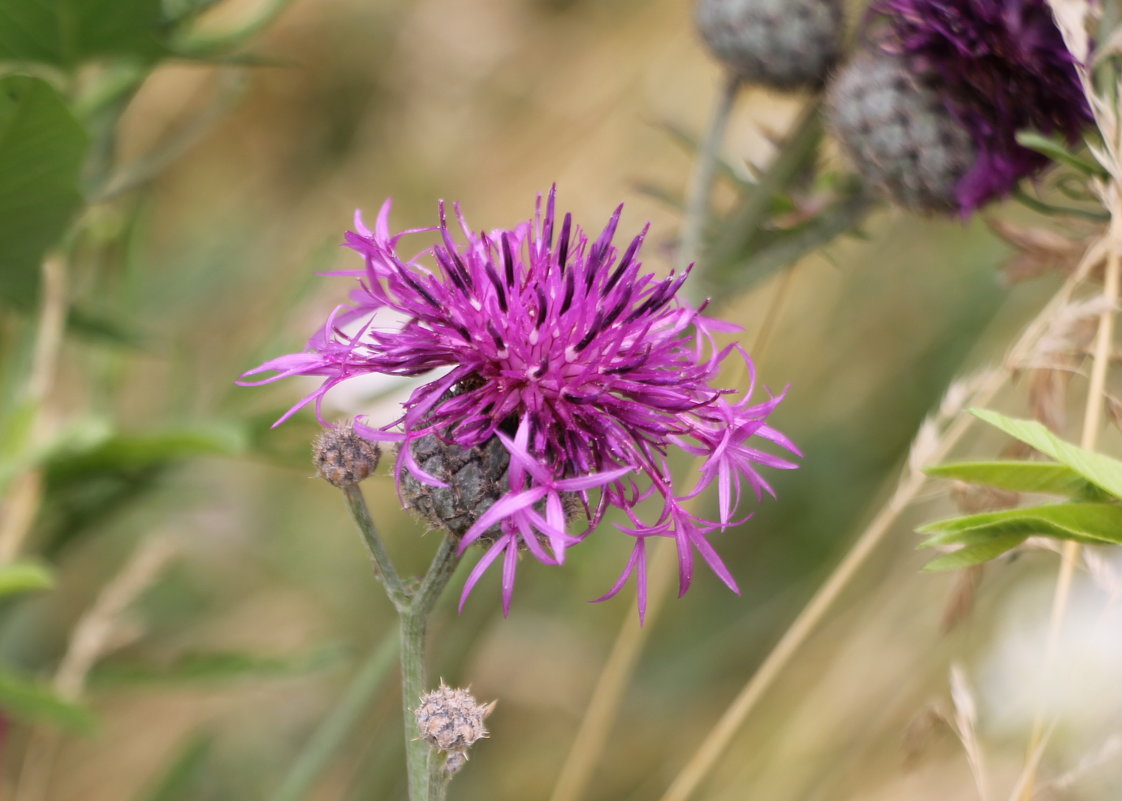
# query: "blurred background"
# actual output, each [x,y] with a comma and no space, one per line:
[263,610]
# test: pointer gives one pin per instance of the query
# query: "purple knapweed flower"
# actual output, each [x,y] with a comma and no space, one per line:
[587,370]
[999,66]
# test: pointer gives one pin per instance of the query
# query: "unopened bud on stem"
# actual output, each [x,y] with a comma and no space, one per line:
[343,458]
[451,721]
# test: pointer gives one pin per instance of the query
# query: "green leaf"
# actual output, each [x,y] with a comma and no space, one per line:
[1058,150]
[42,147]
[65,33]
[137,452]
[1086,522]
[219,667]
[19,577]
[95,474]
[36,702]
[1052,210]
[1042,477]
[974,554]
[1100,470]
[103,329]
[180,780]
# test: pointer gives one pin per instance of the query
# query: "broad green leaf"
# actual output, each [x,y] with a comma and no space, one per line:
[1001,528]
[218,667]
[1042,477]
[66,32]
[975,554]
[20,577]
[179,781]
[132,452]
[35,702]
[92,477]
[42,147]
[1100,470]
[1100,522]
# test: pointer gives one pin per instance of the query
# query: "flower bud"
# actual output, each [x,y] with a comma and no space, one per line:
[785,44]
[344,458]
[476,479]
[898,133]
[450,720]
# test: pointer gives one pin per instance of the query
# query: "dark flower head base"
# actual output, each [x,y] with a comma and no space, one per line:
[1000,66]
[586,369]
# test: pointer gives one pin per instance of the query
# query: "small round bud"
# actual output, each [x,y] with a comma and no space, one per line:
[476,478]
[451,720]
[344,458]
[898,133]
[785,44]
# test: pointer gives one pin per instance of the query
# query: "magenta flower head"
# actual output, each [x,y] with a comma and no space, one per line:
[999,67]
[587,370]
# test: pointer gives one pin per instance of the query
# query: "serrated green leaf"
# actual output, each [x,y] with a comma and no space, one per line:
[35,702]
[42,147]
[975,554]
[65,33]
[1099,522]
[218,667]
[19,577]
[1100,470]
[1041,477]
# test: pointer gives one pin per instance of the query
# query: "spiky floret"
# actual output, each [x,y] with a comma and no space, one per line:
[586,369]
[1000,66]
[785,44]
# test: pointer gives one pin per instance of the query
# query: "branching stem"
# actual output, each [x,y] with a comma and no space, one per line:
[413,609]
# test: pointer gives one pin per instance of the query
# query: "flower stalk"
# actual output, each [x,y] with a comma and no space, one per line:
[413,610]
[701,184]
[383,566]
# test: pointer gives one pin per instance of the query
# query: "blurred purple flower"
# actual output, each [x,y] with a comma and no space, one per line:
[585,368]
[1000,66]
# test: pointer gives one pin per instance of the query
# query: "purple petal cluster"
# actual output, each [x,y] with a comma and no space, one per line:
[588,370]
[1001,66]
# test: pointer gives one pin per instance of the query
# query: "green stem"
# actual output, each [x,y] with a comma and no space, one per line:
[697,203]
[147,168]
[333,731]
[846,215]
[701,185]
[412,686]
[739,231]
[438,779]
[414,619]
[439,573]
[383,567]
[413,609]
